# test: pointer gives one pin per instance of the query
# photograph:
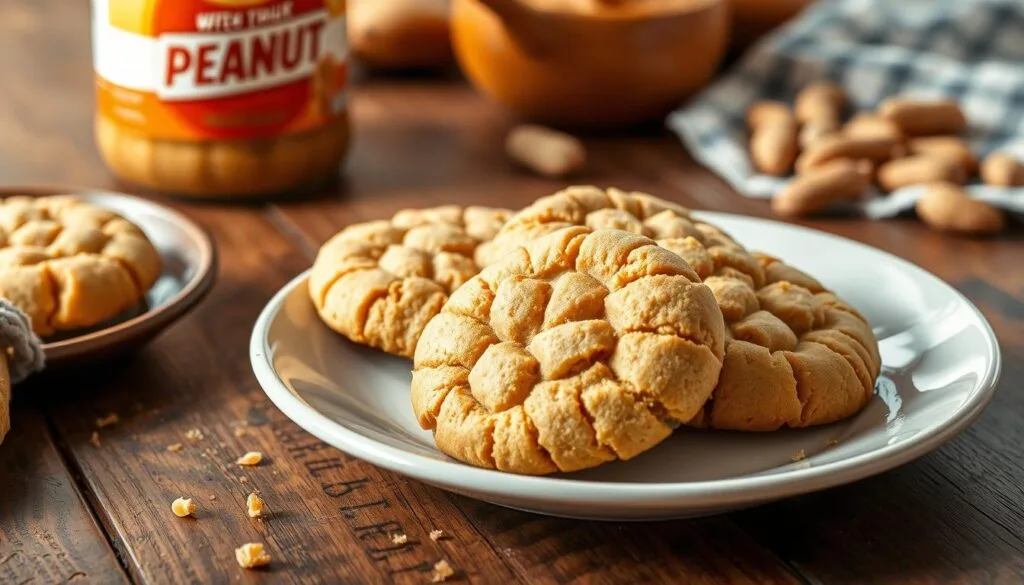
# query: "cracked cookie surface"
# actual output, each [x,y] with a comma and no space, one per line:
[69,264]
[379,282]
[796,355]
[707,249]
[577,348]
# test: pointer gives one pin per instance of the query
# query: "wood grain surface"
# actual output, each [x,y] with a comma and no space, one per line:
[72,511]
[47,533]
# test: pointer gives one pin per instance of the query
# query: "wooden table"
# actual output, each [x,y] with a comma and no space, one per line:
[71,511]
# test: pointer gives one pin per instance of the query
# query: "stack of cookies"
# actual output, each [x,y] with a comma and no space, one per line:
[588,326]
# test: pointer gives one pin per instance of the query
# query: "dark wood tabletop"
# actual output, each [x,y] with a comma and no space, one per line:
[71,511]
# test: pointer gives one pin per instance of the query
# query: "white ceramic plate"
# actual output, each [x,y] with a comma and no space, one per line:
[940,366]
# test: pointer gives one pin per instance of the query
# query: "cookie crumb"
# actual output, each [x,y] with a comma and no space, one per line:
[194,435]
[833,442]
[243,479]
[241,431]
[399,538]
[213,497]
[110,419]
[252,555]
[442,570]
[183,507]
[254,505]
[95,439]
[436,535]
[250,458]
[174,447]
[799,456]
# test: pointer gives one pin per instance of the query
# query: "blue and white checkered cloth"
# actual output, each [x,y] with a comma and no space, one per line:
[968,50]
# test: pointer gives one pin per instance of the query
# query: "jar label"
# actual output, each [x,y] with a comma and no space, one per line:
[219,69]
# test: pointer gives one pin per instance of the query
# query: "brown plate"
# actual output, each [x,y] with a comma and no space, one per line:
[189,270]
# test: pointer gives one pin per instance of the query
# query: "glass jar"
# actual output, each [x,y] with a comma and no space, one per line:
[221,98]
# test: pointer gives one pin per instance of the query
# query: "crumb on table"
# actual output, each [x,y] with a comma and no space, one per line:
[442,570]
[250,458]
[183,507]
[799,456]
[252,555]
[399,538]
[254,505]
[174,447]
[194,435]
[436,534]
[106,421]
[95,439]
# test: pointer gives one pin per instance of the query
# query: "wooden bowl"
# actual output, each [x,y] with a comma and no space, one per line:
[591,71]
[189,270]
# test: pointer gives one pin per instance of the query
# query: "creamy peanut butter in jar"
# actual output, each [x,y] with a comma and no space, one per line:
[221,98]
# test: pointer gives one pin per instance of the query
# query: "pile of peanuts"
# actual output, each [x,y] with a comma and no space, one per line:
[905,142]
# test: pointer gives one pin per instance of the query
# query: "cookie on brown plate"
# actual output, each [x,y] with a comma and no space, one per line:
[69,264]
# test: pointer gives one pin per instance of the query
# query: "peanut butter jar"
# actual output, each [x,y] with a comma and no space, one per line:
[221,98]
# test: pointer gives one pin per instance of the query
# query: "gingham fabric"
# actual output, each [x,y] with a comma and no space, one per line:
[968,50]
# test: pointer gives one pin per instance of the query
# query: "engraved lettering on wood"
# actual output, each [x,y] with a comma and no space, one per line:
[18,560]
[371,518]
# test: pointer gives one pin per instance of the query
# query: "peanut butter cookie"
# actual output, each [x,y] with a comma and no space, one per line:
[796,355]
[69,264]
[378,283]
[572,350]
[707,249]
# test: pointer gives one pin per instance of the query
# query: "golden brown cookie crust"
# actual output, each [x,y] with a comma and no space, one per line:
[796,354]
[576,349]
[69,264]
[706,248]
[378,283]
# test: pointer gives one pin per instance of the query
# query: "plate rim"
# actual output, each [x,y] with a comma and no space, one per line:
[703,493]
[190,294]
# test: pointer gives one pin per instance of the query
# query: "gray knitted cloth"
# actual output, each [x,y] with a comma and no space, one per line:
[25,353]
